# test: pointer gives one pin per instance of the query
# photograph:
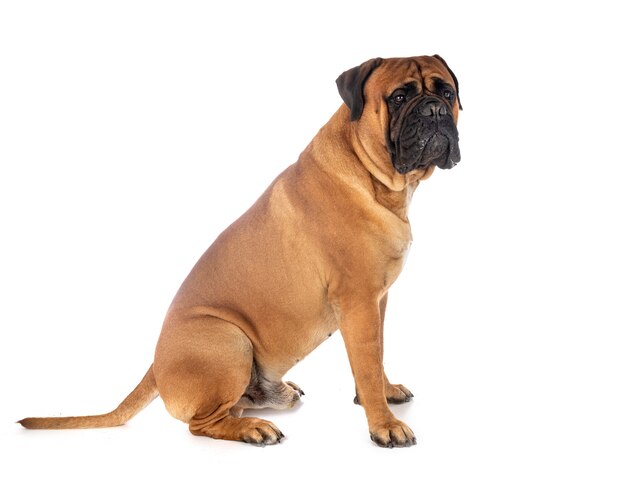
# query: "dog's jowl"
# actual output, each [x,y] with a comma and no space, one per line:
[317,252]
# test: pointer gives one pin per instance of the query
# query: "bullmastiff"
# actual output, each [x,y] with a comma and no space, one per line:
[316,253]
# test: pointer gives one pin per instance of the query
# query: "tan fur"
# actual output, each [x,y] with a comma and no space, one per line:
[317,252]
[136,401]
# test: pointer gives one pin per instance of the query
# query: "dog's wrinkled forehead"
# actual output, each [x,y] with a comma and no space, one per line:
[422,71]
[395,72]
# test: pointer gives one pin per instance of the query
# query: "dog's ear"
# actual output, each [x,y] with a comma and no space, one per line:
[456,82]
[350,84]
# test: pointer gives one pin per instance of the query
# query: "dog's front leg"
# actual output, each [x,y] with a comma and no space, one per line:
[361,328]
[395,393]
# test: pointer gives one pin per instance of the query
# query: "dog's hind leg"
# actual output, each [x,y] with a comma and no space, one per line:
[203,367]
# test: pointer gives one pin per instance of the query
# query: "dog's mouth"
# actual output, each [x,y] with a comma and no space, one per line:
[425,136]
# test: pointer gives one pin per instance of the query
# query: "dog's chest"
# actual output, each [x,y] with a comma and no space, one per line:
[396,261]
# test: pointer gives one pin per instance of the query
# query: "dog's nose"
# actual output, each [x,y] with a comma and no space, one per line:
[431,107]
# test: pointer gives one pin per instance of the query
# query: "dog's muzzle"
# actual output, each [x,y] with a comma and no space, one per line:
[426,136]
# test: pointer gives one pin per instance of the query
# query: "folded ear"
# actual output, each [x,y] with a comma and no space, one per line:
[456,82]
[350,84]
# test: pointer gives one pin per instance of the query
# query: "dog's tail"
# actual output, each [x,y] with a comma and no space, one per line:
[138,399]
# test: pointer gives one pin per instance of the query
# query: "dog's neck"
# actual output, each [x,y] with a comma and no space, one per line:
[358,169]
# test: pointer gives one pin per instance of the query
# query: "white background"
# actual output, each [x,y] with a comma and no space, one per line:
[132,133]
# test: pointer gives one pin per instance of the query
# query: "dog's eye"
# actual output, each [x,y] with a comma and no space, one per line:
[448,95]
[398,97]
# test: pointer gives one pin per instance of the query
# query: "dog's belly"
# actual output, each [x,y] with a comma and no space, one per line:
[289,340]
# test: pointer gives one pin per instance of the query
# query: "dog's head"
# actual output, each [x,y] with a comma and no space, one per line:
[404,111]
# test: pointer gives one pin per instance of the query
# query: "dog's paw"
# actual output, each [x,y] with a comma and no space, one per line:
[262,433]
[397,393]
[391,434]
[394,394]
[296,394]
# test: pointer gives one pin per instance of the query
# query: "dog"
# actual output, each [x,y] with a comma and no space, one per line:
[316,253]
